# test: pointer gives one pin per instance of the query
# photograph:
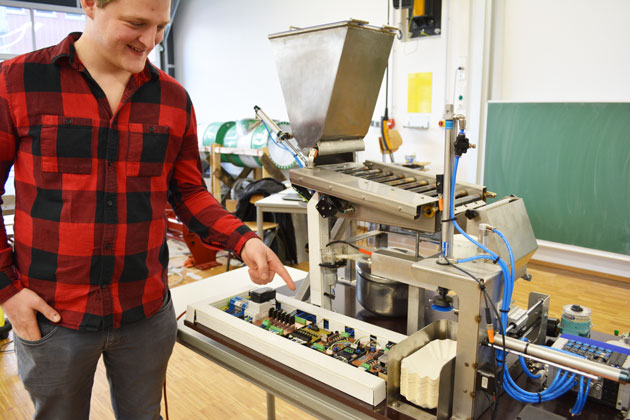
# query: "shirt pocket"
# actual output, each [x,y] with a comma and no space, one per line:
[66,144]
[146,149]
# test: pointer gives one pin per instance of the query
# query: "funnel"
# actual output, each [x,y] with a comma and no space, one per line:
[330,77]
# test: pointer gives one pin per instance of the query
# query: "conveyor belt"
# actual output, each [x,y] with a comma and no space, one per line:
[391,190]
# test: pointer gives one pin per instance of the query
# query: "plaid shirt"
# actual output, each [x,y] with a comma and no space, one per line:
[92,187]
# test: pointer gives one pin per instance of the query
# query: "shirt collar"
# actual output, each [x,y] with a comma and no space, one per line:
[64,52]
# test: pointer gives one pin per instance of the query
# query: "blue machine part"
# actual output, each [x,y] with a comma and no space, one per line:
[607,392]
[237,306]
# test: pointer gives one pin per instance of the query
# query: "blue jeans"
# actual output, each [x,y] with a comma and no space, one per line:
[58,369]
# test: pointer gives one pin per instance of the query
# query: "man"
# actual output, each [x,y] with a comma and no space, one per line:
[100,140]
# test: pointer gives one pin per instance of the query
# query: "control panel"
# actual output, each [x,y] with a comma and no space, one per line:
[605,391]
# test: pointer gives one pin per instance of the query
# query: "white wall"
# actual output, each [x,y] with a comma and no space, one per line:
[563,50]
[224,59]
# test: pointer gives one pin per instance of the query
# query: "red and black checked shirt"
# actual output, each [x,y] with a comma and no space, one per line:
[92,187]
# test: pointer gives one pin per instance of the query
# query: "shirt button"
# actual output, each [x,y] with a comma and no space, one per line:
[110,203]
[103,286]
[108,246]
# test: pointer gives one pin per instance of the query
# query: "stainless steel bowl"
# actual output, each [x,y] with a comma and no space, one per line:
[377,294]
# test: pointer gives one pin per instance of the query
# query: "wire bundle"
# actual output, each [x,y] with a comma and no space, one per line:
[563,381]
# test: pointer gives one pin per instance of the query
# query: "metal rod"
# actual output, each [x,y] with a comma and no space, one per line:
[401,181]
[383,176]
[467,199]
[460,194]
[281,136]
[363,174]
[353,170]
[417,245]
[567,360]
[423,189]
[559,366]
[414,185]
[449,162]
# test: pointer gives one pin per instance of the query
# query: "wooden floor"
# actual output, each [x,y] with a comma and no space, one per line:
[199,389]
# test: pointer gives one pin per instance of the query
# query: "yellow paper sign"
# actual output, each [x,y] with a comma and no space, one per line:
[419,92]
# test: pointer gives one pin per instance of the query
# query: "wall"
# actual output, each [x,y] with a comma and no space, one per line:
[563,50]
[224,59]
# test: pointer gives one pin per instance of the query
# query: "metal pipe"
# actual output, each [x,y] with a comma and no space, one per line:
[281,136]
[401,181]
[423,189]
[467,199]
[449,162]
[350,171]
[414,185]
[385,175]
[460,194]
[559,366]
[564,359]
[364,174]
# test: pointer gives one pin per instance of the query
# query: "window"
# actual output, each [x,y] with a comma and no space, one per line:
[24,29]
[51,27]
[16,34]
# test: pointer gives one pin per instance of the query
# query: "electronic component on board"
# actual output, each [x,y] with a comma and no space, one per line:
[262,294]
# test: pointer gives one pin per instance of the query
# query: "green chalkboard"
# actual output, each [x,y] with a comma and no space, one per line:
[571,164]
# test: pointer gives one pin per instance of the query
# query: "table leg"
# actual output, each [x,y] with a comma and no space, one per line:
[259,222]
[271,406]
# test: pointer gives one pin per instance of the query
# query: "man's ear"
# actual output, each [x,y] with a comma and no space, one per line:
[88,7]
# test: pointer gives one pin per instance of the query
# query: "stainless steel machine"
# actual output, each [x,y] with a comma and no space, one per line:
[330,77]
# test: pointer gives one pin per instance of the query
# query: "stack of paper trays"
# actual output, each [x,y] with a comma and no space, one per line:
[420,372]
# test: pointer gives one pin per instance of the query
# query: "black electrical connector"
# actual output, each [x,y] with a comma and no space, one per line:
[471,214]
[462,144]
[262,294]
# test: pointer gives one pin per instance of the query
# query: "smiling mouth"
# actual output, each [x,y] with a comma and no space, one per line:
[137,51]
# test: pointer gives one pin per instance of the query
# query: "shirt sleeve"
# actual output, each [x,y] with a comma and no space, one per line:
[9,283]
[194,205]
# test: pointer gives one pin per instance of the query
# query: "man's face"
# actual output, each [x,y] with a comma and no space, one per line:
[127,30]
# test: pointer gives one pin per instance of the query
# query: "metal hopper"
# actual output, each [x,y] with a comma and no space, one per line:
[330,77]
